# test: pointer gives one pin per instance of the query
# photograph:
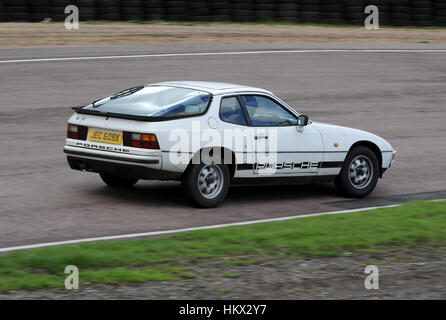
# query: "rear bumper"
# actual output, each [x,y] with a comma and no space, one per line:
[141,167]
[144,160]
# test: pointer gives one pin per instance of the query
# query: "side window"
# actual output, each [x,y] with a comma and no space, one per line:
[231,111]
[264,111]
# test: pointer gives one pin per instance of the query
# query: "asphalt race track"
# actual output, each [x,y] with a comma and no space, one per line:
[399,95]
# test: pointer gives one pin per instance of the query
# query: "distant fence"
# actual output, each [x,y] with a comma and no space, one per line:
[392,12]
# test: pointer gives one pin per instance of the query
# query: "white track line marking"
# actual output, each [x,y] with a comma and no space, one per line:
[158,233]
[192,54]
[216,226]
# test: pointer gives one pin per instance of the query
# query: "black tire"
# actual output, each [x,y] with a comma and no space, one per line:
[192,189]
[118,182]
[343,181]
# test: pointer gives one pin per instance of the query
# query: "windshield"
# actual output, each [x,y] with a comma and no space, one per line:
[154,101]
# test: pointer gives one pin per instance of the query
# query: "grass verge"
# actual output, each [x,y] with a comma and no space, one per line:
[169,258]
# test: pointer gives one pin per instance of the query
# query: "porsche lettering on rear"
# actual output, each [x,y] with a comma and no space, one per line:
[101,147]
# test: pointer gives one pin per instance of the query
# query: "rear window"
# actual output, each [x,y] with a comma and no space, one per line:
[154,101]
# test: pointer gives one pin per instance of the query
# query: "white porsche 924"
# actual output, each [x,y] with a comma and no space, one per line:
[211,135]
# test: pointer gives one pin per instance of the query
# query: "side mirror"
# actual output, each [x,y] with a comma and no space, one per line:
[302,120]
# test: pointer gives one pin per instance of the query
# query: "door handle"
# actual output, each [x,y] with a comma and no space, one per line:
[261,137]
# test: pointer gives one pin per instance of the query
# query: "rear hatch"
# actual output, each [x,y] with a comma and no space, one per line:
[130,117]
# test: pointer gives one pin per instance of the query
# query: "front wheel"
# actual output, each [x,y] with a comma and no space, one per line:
[359,174]
[118,182]
[206,184]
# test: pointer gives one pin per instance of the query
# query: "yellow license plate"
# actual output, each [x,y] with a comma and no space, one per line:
[105,136]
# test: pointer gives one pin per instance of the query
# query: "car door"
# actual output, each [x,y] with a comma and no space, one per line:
[283,148]
[237,134]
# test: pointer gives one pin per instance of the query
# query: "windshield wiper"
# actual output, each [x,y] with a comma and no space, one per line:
[120,94]
[126,92]
[93,103]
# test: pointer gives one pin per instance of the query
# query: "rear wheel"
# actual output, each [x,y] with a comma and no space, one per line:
[118,182]
[206,184]
[359,174]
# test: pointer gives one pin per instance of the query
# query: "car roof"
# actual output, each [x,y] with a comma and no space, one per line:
[211,87]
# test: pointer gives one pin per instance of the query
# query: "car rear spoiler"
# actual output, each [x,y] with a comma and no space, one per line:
[131,117]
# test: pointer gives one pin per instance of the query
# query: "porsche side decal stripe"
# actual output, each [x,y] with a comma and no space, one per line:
[302,165]
[331,164]
[167,151]
[245,166]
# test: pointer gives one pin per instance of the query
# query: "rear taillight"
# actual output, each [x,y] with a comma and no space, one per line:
[140,140]
[77,132]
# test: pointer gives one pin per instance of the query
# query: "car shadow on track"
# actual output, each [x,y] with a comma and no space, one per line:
[240,194]
[171,194]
